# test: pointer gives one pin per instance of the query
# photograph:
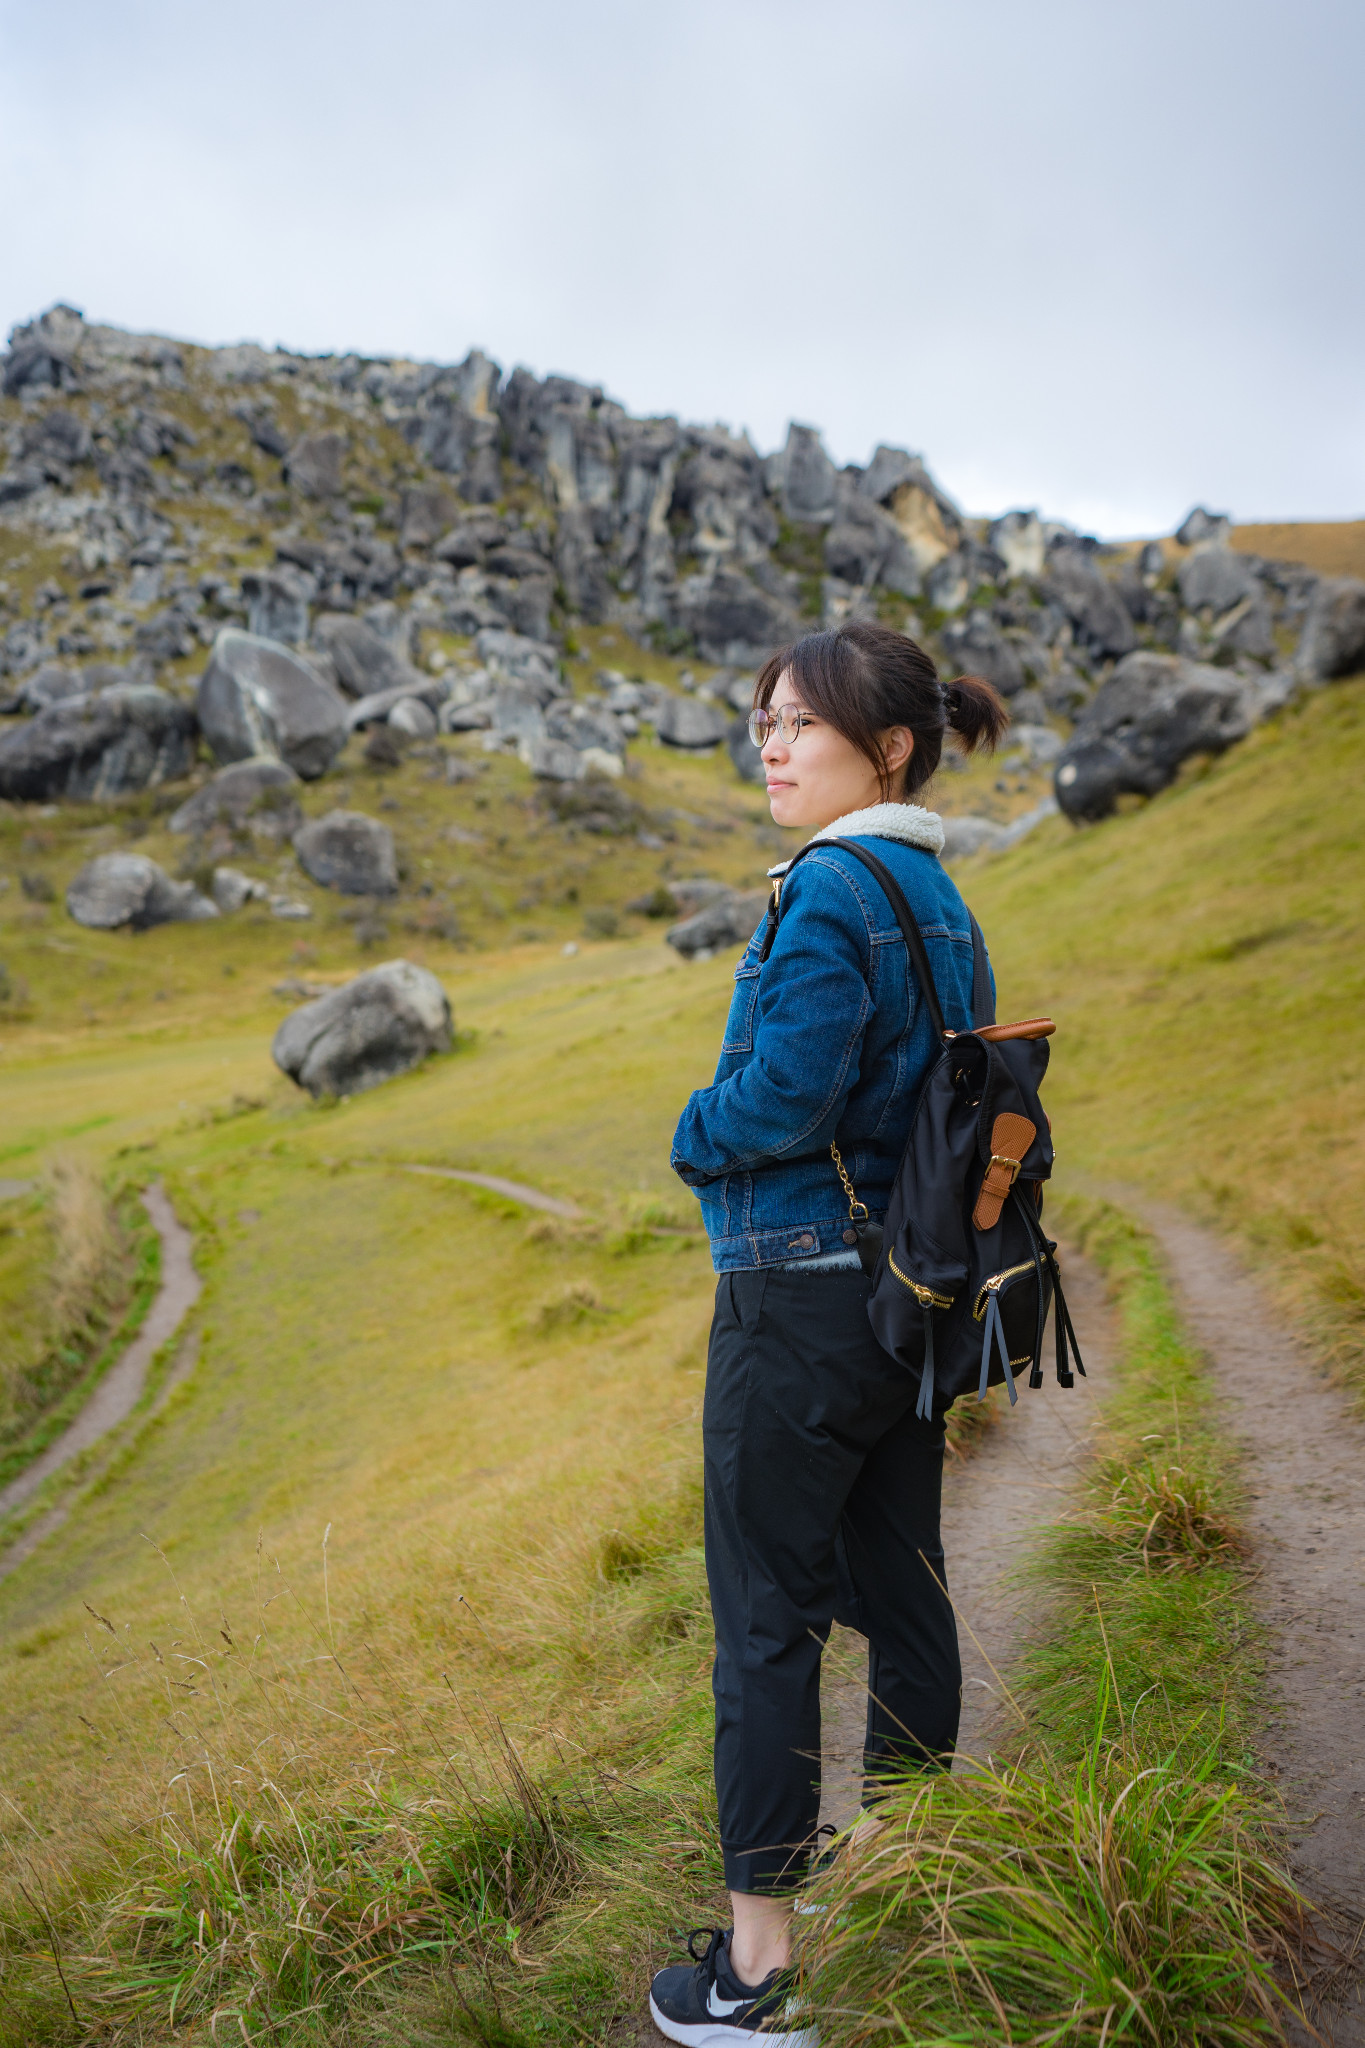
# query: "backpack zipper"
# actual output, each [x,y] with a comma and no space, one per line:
[994,1284]
[925,1296]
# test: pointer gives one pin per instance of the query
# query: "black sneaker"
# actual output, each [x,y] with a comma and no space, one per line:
[704,2002]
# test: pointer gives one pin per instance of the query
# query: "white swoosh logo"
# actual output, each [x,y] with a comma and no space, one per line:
[721,2008]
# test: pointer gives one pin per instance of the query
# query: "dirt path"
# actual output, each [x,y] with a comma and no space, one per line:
[1306,1514]
[1017,1482]
[515,1190]
[120,1390]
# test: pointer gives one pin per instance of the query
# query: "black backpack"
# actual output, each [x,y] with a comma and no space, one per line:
[962,1271]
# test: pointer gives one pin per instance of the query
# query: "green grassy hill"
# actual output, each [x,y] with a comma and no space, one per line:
[432,1479]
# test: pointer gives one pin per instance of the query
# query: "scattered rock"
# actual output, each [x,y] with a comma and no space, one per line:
[382,1024]
[411,716]
[377,709]
[231,889]
[1199,527]
[427,511]
[347,851]
[1152,714]
[1216,578]
[1020,542]
[532,663]
[259,796]
[366,663]
[690,722]
[554,760]
[313,465]
[90,748]
[255,697]
[728,919]
[1101,620]
[48,685]
[277,603]
[118,889]
[965,835]
[1332,642]
[976,646]
[733,620]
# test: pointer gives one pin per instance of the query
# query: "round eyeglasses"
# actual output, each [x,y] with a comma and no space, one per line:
[786,722]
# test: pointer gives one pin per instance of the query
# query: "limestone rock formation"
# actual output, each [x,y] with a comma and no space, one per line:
[256,796]
[118,889]
[1152,714]
[349,852]
[1333,639]
[380,1025]
[255,697]
[90,748]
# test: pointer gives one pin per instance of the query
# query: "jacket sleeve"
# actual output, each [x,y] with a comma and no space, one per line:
[814,1002]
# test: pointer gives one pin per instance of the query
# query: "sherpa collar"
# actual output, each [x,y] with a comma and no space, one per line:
[910,823]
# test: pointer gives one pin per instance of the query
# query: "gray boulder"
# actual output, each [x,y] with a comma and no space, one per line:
[1152,714]
[366,662]
[1332,642]
[532,663]
[347,851]
[975,645]
[733,621]
[1199,527]
[427,511]
[277,603]
[376,710]
[728,920]
[747,758]
[1099,616]
[690,722]
[1020,542]
[259,797]
[805,475]
[380,1025]
[50,684]
[313,465]
[1216,579]
[552,760]
[232,889]
[90,748]
[118,889]
[255,697]
[412,716]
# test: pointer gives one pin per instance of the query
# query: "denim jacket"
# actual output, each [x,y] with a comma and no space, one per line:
[827,1040]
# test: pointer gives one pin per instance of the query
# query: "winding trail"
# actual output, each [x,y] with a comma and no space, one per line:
[1017,1481]
[1305,1470]
[120,1389]
[515,1190]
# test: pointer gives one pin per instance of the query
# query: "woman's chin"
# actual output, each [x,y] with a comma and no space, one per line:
[786,807]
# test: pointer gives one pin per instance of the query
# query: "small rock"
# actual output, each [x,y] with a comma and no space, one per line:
[599,761]
[532,663]
[1020,542]
[366,662]
[277,603]
[231,889]
[553,760]
[349,852]
[313,465]
[255,698]
[118,889]
[1199,527]
[382,1024]
[411,716]
[258,796]
[290,909]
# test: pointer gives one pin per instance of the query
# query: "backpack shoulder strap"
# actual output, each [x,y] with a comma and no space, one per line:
[983,999]
[905,918]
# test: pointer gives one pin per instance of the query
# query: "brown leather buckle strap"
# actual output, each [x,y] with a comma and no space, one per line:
[1011,1136]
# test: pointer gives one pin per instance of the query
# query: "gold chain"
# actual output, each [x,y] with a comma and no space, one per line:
[857,1211]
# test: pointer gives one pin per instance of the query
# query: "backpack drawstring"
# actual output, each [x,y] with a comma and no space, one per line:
[924,1407]
[995,1333]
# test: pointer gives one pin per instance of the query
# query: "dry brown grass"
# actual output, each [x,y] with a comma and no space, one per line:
[1334,547]
[72,1266]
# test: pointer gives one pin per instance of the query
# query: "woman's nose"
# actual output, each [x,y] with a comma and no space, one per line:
[774,750]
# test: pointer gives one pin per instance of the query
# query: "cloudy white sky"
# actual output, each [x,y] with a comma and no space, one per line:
[1102,258]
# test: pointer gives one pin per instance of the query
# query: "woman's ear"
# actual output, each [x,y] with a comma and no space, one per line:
[898,744]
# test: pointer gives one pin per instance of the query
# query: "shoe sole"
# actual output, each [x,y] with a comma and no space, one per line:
[721,2034]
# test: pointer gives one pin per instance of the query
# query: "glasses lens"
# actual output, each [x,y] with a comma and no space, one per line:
[760,725]
[788,724]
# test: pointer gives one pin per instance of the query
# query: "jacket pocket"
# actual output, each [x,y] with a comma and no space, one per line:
[739,1025]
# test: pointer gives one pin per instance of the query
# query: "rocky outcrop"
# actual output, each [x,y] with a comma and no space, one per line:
[1152,714]
[365,662]
[127,889]
[691,722]
[259,797]
[255,697]
[380,1025]
[91,748]
[1333,639]
[347,851]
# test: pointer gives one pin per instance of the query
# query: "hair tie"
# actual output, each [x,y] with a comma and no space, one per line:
[952,697]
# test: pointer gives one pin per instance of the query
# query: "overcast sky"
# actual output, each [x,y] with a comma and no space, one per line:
[1101,258]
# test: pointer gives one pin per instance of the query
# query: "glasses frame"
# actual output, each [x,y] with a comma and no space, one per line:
[788,722]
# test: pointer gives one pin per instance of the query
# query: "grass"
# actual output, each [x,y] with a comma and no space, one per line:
[1111,1872]
[495,1413]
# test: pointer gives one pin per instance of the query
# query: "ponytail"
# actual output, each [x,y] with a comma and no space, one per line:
[975,712]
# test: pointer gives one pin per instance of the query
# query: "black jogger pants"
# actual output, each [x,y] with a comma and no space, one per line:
[822,1504]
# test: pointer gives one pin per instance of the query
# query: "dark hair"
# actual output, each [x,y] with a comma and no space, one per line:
[864,678]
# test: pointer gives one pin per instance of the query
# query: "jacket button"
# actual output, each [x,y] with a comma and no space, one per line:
[850,1237]
[806,1240]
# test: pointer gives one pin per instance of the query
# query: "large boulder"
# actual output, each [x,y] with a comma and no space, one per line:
[1152,714]
[314,465]
[805,475]
[733,621]
[690,722]
[1332,642]
[380,1025]
[89,748]
[728,920]
[259,797]
[255,697]
[1200,527]
[118,889]
[1019,540]
[1099,616]
[345,850]
[1215,579]
[976,646]
[365,662]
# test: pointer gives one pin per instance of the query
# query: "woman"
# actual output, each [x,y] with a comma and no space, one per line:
[822,1488]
